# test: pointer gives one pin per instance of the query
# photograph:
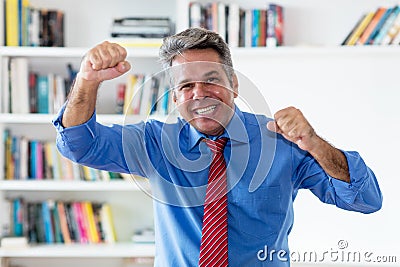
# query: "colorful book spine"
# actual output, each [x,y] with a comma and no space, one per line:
[12,23]
[386,26]
[360,28]
[371,26]
[47,222]
[376,30]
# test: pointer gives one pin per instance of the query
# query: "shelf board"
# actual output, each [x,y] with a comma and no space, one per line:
[118,250]
[315,50]
[146,52]
[68,52]
[85,186]
[34,118]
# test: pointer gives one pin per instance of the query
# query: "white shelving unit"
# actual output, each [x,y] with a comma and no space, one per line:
[120,250]
[342,90]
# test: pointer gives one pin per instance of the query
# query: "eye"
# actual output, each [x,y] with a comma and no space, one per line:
[213,80]
[185,86]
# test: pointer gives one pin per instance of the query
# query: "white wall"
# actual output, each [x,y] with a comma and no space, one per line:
[351,99]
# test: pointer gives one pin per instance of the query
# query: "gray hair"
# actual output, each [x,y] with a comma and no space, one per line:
[193,38]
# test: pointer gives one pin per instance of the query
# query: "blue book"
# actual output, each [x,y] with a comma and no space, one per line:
[165,101]
[43,94]
[386,26]
[378,27]
[47,222]
[255,28]
[32,166]
[20,23]
[18,217]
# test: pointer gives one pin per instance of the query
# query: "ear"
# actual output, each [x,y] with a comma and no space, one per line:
[174,98]
[235,85]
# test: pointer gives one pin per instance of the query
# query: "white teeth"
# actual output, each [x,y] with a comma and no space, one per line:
[206,110]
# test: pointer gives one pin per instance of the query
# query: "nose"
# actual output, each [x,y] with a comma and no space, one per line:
[200,90]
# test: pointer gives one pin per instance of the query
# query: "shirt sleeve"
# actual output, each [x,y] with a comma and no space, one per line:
[362,194]
[98,146]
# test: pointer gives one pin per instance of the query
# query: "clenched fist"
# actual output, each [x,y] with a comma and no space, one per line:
[105,61]
[291,123]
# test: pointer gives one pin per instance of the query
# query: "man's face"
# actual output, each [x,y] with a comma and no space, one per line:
[203,92]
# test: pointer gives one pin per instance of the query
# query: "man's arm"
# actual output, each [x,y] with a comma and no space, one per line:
[292,124]
[105,61]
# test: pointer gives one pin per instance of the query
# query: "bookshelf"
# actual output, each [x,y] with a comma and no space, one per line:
[311,62]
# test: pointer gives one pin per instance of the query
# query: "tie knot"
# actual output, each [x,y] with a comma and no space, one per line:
[217,145]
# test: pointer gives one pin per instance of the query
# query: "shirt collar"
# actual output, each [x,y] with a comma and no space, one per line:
[235,131]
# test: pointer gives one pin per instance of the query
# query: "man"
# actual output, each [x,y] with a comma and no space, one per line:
[262,163]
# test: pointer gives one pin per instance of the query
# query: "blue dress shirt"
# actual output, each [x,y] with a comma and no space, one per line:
[265,172]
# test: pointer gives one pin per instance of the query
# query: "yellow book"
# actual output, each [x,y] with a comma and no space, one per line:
[48,160]
[86,173]
[12,23]
[129,91]
[360,28]
[91,223]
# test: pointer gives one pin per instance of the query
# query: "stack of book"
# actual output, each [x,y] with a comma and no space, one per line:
[240,27]
[29,159]
[141,31]
[25,91]
[52,221]
[378,27]
[25,25]
[145,95]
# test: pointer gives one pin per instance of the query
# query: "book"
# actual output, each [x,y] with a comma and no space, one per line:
[18,217]
[43,94]
[32,92]
[24,158]
[19,79]
[233,25]
[80,221]
[72,222]
[396,39]
[47,221]
[23,6]
[272,38]
[58,236]
[371,26]
[392,32]
[32,221]
[5,85]
[2,25]
[6,218]
[55,28]
[143,21]
[222,13]
[360,28]
[63,222]
[255,36]
[376,30]
[12,23]
[137,41]
[195,15]
[107,224]
[34,27]
[90,222]
[386,26]
[346,39]
[13,242]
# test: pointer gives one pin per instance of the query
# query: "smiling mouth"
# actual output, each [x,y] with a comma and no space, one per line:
[205,111]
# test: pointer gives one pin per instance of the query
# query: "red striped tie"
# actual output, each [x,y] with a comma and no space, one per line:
[214,240]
